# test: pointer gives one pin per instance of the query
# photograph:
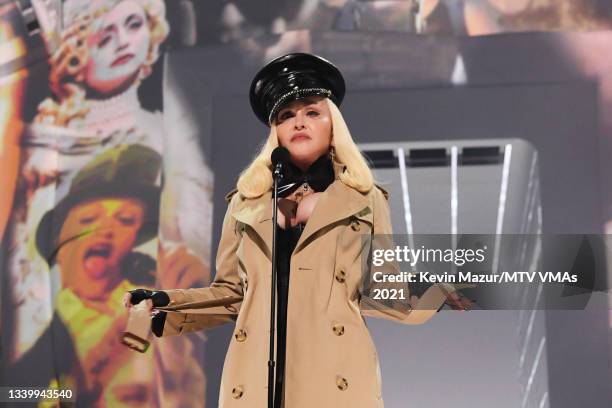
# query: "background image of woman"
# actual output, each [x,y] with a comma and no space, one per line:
[108,48]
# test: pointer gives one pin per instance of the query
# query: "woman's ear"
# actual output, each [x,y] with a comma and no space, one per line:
[147,67]
[145,71]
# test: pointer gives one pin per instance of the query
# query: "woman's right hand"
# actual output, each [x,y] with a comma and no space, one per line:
[127,300]
[133,297]
[130,299]
[286,212]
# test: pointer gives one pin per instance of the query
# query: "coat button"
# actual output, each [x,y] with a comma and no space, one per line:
[338,329]
[341,383]
[240,335]
[341,276]
[355,225]
[237,392]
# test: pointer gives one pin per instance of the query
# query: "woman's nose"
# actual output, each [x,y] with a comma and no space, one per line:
[107,227]
[121,39]
[299,120]
[108,231]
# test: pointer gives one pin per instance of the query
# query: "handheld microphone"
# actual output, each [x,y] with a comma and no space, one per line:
[280,156]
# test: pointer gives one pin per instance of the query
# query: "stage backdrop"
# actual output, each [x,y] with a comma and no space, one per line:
[114,114]
[111,192]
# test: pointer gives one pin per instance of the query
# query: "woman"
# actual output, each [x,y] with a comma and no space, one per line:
[108,48]
[93,107]
[325,356]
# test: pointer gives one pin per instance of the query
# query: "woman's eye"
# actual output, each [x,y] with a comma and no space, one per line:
[313,113]
[87,219]
[127,220]
[284,116]
[134,23]
[104,41]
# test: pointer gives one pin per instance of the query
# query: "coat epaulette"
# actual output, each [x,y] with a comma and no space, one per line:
[228,196]
[385,192]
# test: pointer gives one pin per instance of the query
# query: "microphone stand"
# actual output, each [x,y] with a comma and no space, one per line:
[271,360]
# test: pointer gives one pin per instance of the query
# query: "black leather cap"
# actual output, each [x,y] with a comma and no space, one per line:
[291,77]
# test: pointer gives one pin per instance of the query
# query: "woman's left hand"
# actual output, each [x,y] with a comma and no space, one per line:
[457,301]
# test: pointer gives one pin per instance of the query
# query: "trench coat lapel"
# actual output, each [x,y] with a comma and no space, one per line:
[257,213]
[337,202]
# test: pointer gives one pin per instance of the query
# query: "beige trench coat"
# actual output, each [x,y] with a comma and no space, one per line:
[331,359]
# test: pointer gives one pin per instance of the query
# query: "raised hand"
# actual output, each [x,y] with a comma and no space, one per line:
[179,268]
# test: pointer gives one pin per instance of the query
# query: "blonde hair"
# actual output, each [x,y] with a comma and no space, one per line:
[69,62]
[256,179]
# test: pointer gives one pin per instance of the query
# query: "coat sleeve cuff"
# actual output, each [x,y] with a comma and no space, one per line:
[160,298]
[157,323]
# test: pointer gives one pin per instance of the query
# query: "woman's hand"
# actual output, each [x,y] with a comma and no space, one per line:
[296,211]
[179,268]
[305,208]
[127,303]
[457,301]
[127,300]
[133,297]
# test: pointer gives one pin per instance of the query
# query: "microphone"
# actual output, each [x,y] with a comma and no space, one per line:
[280,156]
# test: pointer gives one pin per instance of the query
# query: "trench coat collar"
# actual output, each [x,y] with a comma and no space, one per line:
[337,202]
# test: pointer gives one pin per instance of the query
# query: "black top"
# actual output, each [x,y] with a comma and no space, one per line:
[287,240]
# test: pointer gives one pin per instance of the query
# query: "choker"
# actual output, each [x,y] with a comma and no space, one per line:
[319,176]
